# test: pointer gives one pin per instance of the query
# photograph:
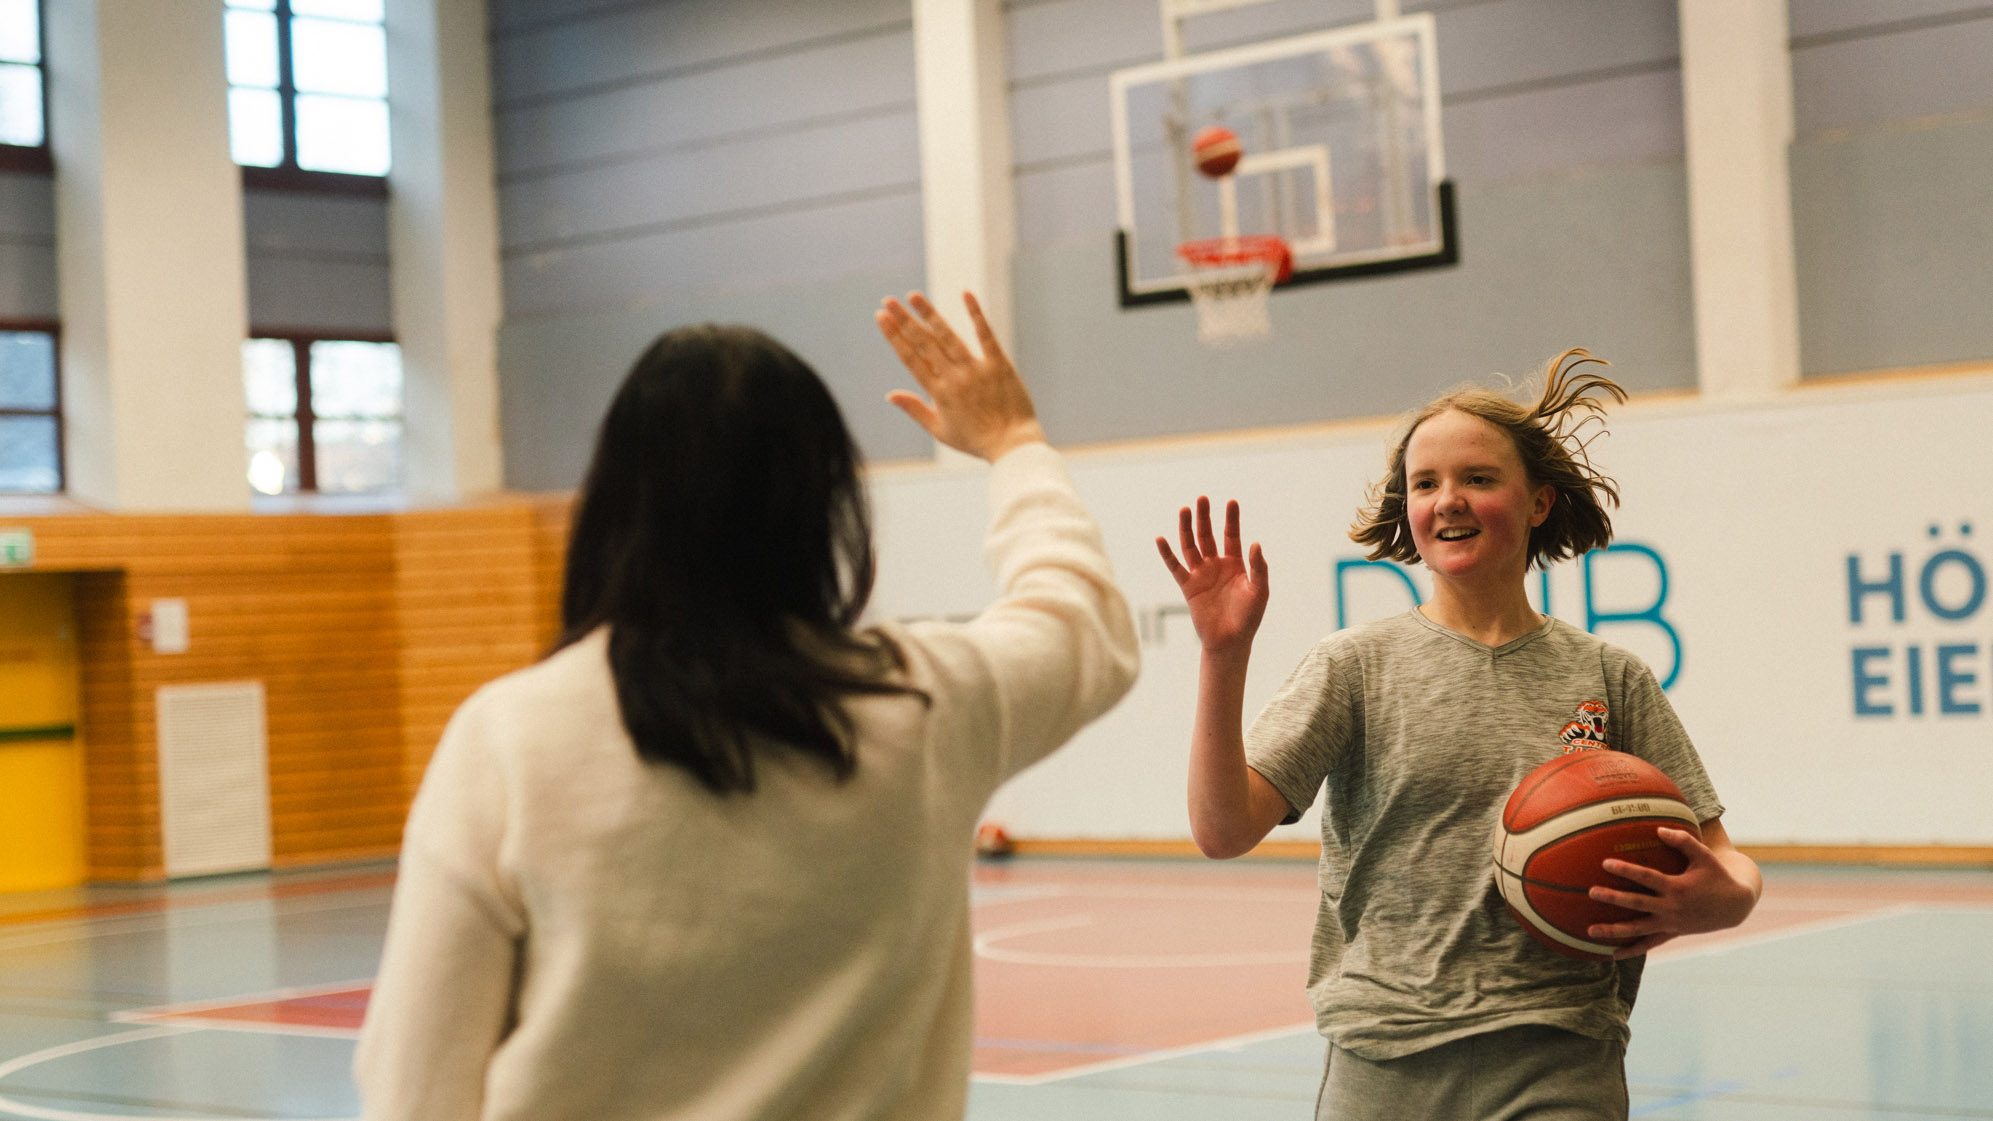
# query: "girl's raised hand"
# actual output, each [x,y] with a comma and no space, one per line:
[1226,591]
[979,404]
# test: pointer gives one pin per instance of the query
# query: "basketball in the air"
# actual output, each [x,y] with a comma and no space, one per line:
[1565,819]
[1217,150]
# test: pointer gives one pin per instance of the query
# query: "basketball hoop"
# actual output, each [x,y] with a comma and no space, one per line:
[1230,281]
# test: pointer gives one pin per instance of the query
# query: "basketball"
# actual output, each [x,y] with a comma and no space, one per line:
[1563,821]
[1217,151]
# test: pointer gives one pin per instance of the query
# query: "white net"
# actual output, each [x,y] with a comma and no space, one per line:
[1231,301]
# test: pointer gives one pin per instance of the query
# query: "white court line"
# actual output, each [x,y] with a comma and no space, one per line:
[49,1054]
[1231,1043]
[1235,1042]
[1744,941]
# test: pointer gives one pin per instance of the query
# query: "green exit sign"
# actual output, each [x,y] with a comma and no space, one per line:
[17,548]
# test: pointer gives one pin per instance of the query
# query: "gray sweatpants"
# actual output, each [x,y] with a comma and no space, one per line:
[1527,1073]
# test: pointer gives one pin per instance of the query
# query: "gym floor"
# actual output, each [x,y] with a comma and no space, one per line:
[1107,990]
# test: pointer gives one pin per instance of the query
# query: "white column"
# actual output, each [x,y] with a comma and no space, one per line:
[443,242]
[149,256]
[1737,113]
[961,84]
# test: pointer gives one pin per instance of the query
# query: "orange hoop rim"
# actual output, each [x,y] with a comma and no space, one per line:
[1245,249]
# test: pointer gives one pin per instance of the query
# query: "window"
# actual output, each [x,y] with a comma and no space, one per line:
[23,126]
[308,87]
[30,412]
[324,415]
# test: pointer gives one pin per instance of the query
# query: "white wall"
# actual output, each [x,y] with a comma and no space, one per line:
[1753,510]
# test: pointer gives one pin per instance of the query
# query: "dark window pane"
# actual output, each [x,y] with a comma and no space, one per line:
[27,370]
[28,461]
[357,457]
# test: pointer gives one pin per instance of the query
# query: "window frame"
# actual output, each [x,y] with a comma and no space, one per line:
[287,175]
[23,157]
[301,342]
[53,329]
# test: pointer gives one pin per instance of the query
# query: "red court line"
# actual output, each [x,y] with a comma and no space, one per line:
[331,1010]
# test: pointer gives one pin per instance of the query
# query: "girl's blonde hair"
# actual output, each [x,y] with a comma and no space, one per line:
[1547,439]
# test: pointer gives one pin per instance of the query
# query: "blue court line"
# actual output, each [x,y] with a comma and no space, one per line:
[1701,1093]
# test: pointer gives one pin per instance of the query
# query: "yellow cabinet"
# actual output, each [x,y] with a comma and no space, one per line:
[41,765]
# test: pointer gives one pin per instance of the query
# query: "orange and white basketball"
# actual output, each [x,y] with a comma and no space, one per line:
[1564,820]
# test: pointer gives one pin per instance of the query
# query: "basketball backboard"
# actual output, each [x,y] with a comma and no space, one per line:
[1343,156]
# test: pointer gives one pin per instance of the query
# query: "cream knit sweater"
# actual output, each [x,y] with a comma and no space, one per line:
[579,934]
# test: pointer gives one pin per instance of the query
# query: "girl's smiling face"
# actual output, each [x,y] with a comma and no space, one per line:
[1468,499]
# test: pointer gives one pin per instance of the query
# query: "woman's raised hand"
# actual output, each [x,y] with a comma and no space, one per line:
[979,404]
[1226,591]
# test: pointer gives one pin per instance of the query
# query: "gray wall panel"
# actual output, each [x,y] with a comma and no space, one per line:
[1635,118]
[870,74]
[334,225]
[754,252]
[1514,42]
[633,42]
[1893,235]
[508,16]
[27,247]
[1065,37]
[1066,203]
[1597,260]
[1904,76]
[1829,17]
[762,173]
[556,376]
[316,295]
[1060,120]
[317,262]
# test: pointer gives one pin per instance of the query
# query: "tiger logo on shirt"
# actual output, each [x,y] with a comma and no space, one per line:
[1588,731]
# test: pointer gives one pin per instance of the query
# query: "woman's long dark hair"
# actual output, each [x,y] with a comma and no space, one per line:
[723,537]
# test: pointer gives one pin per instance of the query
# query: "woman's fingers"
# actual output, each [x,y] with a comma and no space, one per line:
[1258,562]
[922,413]
[910,341]
[946,340]
[1232,529]
[985,336]
[1630,900]
[1638,873]
[1170,562]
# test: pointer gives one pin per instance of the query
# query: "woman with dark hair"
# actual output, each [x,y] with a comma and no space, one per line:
[710,858]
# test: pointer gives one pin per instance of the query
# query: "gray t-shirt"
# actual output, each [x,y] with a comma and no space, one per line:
[1420,734]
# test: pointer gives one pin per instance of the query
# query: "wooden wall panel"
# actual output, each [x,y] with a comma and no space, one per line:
[366,631]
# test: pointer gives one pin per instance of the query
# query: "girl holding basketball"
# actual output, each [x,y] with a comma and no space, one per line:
[1434,1000]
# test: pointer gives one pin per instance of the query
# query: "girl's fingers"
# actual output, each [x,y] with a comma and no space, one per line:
[1184,538]
[1232,528]
[1684,841]
[1258,562]
[1639,873]
[1204,539]
[1631,900]
[1170,562]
